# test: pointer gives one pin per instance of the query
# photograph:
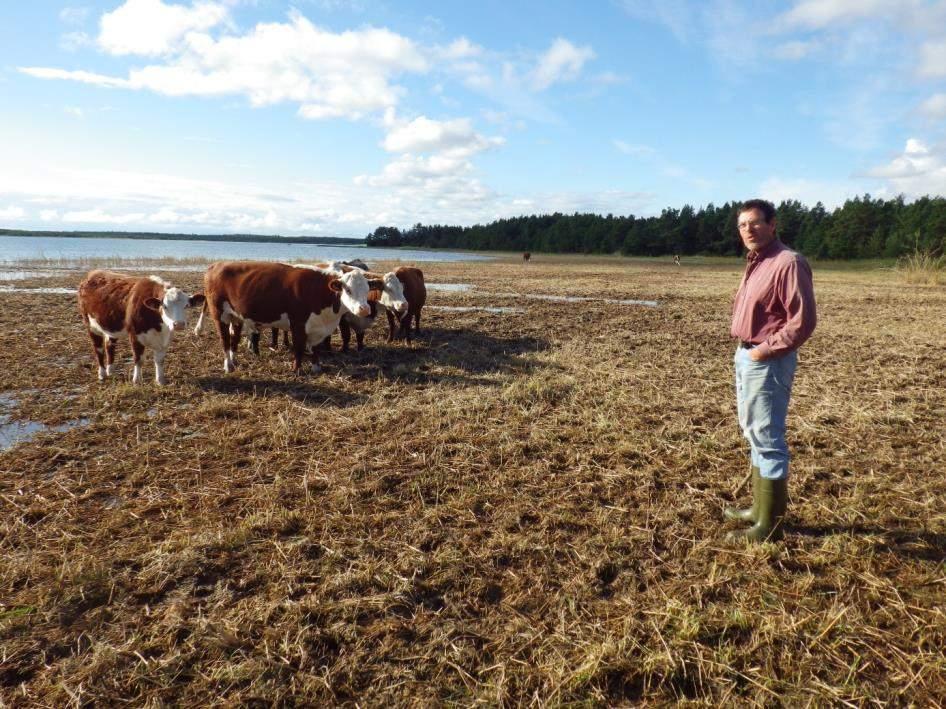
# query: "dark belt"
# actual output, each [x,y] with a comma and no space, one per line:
[746,345]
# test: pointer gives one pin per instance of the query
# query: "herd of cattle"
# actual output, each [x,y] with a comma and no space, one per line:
[308,302]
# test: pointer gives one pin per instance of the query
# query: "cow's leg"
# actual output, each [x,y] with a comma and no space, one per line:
[360,338]
[417,322]
[236,330]
[285,338]
[98,350]
[109,356]
[345,329]
[159,367]
[391,326]
[274,339]
[224,331]
[253,342]
[299,345]
[137,349]
[406,327]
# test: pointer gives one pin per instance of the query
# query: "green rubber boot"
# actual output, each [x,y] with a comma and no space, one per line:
[749,514]
[773,501]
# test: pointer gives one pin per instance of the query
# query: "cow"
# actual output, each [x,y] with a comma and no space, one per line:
[526,256]
[309,302]
[416,294]
[389,297]
[147,309]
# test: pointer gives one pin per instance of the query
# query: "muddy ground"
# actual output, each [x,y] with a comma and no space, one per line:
[520,508]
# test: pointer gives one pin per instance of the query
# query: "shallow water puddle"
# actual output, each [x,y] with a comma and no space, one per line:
[13,432]
[56,291]
[450,287]
[24,275]
[469,308]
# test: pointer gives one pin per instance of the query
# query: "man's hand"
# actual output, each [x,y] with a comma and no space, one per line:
[755,355]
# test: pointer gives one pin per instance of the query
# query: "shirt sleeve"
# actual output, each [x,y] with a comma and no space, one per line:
[795,291]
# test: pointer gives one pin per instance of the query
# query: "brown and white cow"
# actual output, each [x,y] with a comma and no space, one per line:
[308,302]
[146,309]
[389,297]
[415,292]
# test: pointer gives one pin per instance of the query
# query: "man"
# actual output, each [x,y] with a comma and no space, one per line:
[773,315]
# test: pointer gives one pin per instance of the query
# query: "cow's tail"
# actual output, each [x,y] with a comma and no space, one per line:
[200,320]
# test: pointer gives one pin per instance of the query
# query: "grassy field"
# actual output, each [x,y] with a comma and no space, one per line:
[518,509]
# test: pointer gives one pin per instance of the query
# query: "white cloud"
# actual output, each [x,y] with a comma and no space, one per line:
[150,27]
[631,149]
[73,15]
[49,215]
[12,213]
[675,15]
[75,111]
[461,48]
[329,75]
[818,14]
[424,135]
[84,77]
[934,107]
[918,171]
[99,216]
[560,62]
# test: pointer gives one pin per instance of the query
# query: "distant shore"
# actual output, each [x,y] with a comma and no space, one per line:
[239,238]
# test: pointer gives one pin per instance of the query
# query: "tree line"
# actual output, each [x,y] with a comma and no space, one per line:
[862,228]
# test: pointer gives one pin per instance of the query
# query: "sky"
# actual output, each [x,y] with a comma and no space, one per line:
[333,117]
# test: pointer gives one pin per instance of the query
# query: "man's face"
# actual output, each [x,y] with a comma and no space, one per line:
[756,233]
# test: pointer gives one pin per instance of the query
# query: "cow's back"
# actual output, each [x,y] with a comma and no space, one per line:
[263,290]
[104,296]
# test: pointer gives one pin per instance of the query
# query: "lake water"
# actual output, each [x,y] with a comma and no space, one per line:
[19,248]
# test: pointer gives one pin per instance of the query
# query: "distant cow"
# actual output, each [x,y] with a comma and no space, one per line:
[146,309]
[676,259]
[416,294]
[309,302]
[526,256]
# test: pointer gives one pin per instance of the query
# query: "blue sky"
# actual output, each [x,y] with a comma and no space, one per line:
[331,117]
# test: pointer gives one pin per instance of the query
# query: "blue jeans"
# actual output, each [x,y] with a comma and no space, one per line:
[762,393]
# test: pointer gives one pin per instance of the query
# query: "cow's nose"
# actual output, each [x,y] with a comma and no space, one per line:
[364,311]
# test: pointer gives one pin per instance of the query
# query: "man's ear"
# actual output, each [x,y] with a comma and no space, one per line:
[153,304]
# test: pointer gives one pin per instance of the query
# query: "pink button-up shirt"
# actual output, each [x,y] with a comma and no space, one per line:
[774,308]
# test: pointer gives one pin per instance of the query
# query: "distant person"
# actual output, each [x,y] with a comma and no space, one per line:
[773,315]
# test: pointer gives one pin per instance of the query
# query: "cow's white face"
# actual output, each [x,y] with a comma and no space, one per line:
[392,297]
[174,307]
[354,293]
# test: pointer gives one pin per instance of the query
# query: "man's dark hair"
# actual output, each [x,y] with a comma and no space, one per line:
[764,206]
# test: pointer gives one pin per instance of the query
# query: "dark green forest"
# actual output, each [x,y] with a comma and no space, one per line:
[862,228]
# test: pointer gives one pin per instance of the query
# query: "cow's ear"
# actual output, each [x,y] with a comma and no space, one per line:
[153,303]
[376,284]
[196,299]
[374,296]
[336,285]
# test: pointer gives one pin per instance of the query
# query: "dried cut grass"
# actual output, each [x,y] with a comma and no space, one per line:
[516,510]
